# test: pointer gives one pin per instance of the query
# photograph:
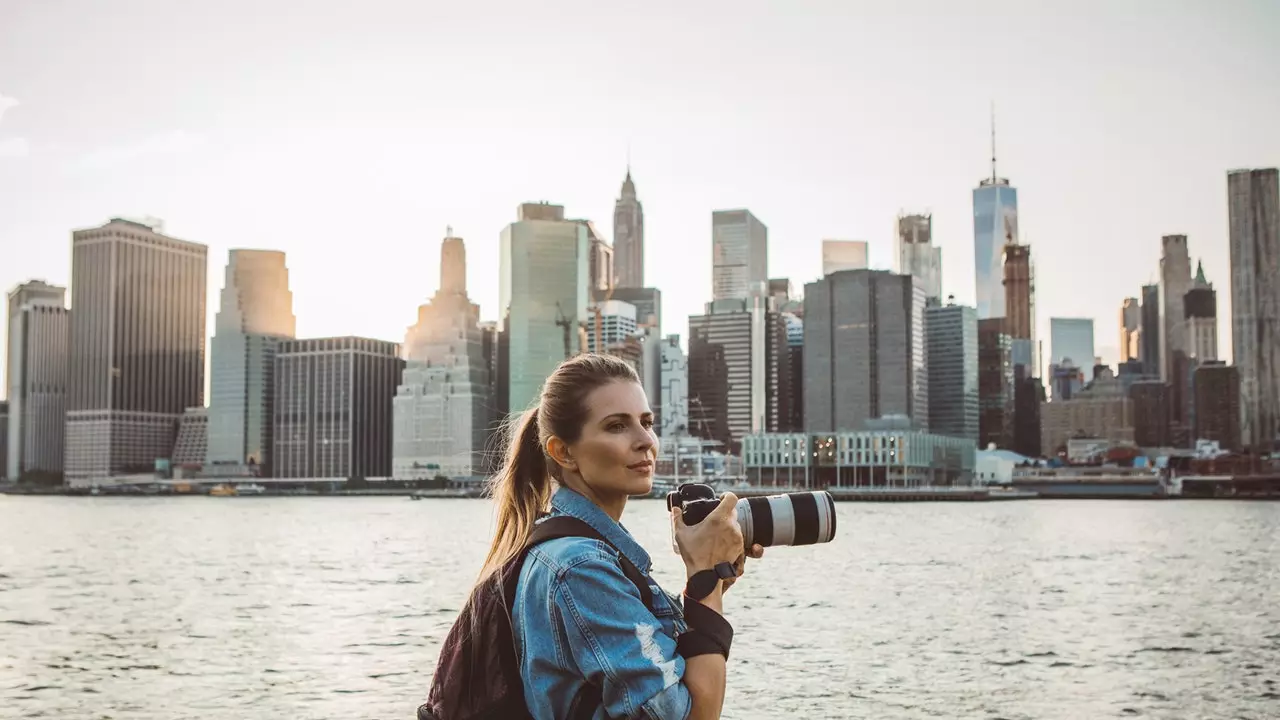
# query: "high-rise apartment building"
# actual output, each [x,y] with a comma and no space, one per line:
[840,255]
[951,335]
[995,225]
[1175,281]
[137,346]
[1150,400]
[739,254]
[333,414]
[1019,297]
[648,304]
[628,236]
[916,254]
[1151,330]
[1254,207]
[443,410]
[616,323]
[1071,339]
[542,296]
[255,312]
[36,379]
[1130,330]
[737,365]
[864,351]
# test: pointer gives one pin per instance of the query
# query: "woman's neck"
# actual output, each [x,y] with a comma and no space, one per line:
[612,504]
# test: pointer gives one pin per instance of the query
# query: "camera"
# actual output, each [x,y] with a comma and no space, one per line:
[802,518]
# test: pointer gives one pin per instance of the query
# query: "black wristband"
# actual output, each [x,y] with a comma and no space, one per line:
[709,632]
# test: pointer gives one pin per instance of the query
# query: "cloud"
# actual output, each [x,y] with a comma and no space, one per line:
[174,142]
[14,147]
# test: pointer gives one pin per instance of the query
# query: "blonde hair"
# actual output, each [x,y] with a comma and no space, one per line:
[523,487]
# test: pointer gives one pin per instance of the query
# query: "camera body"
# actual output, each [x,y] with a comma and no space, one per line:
[804,518]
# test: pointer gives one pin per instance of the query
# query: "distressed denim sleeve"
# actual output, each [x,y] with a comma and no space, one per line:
[618,644]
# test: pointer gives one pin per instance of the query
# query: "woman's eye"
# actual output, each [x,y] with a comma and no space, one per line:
[617,427]
[647,424]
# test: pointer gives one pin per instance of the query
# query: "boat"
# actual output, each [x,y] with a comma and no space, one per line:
[223,490]
[250,489]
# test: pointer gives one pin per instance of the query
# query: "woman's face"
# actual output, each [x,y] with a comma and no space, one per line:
[616,453]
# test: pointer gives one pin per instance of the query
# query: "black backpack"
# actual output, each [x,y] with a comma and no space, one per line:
[477,676]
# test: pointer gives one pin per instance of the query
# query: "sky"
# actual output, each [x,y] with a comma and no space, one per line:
[350,135]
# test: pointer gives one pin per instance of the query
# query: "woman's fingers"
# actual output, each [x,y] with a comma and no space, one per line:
[757,551]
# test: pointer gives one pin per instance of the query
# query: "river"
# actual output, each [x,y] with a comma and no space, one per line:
[335,607]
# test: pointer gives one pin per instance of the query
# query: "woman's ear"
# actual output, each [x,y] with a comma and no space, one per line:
[558,451]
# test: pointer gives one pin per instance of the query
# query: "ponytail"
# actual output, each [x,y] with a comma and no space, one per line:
[521,489]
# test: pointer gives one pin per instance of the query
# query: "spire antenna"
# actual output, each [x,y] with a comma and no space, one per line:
[993,141]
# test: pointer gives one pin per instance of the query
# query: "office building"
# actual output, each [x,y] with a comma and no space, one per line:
[886,458]
[840,255]
[1071,339]
[739,254]
[737,365]
[1130,330]
[614,321]
[1028,397]
[997,391]
[628,236]
[1254,210]
[1175,281]
[1150,413]
[1217,404]
[443,409]
[255,312]
[793,420]
[334,407]
[916,254]
[137,347]
[951,334]
[191,446]
[673,414]
[1200,311]
[995,225]
[864,351]
[1102,410]
[36,382]
[601,272]
[542,295]
[648,305]
[1151,330]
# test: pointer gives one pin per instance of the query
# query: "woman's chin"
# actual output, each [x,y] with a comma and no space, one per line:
[641,486]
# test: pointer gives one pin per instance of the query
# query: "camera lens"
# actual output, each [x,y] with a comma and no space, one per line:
[793,519]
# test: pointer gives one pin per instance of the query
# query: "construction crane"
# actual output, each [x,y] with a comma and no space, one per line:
[563,321]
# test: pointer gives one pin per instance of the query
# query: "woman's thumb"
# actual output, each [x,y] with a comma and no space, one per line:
[677,517]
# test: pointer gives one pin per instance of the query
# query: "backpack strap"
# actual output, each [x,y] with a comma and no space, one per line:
[569,526]
[589,698]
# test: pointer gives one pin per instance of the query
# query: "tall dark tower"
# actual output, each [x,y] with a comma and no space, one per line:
[628,236]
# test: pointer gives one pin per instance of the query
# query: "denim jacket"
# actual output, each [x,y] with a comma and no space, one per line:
[577,618]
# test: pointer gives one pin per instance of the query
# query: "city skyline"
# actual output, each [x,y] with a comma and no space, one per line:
[216,178]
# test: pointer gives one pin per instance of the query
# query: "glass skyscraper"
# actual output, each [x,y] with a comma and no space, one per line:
[995,223]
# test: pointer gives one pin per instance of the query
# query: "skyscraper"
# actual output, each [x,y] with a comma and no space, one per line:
[1200,311]
[997,386]
[674,413]
[995,224]
[1020,314]
[601,268]
[840,255]
[36,371]
[1254,206]
[1175,281]
[916,254]
[864,351]
[1151,330]
[951,334]
[739,254]
[1130,330]
[255,312]
[542,297]
[137,347]
[737,370]
[628,236]
[333,407]
[443,408]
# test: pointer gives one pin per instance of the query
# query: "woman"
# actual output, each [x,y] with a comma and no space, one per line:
[584,636]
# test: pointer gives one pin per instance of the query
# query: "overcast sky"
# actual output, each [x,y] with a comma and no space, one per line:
[350,135]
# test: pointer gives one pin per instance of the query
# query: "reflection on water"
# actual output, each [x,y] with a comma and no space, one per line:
[334,608]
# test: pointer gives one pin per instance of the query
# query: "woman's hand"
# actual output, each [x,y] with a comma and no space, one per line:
[715,540]
[757,552]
